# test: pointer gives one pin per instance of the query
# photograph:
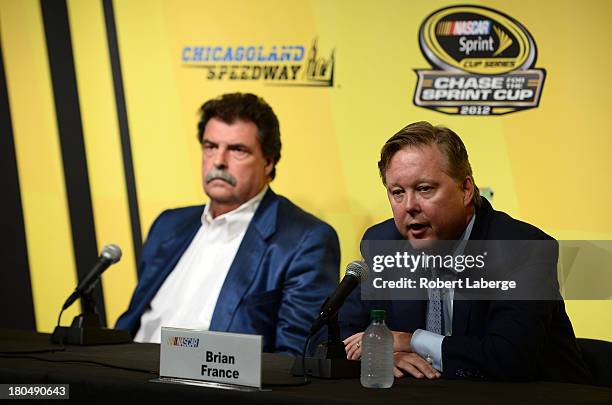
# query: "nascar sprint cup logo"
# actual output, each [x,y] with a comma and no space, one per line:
[483,63]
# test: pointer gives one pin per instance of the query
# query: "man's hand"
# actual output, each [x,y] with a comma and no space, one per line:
[401,341]
[352,344]
[414,365]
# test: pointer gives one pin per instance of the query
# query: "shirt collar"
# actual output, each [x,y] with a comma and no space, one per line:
[236,219]
[465,237]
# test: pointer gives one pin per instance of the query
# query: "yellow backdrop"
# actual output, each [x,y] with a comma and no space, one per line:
[549,165]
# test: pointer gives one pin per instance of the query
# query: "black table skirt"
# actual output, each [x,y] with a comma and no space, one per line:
[124,372]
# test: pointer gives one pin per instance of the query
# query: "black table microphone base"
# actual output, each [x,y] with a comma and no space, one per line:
[329,360]
[327,368]
[89,336]
[86,330]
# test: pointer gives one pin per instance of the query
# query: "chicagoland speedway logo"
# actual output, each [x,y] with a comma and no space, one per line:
[275,64]
[483,63]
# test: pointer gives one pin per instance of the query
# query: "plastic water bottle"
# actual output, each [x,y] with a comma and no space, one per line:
[377,353]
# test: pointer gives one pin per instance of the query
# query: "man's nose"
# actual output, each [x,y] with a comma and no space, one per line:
[412,205]
[220,158]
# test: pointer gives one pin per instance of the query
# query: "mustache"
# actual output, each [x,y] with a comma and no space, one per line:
[220,174]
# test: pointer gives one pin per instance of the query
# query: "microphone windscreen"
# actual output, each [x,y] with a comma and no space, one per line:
[111,252]
[359,269]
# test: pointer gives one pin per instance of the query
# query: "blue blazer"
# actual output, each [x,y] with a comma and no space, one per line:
[285,267]
[494,340]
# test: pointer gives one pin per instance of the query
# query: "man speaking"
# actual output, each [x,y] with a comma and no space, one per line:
[250,261]
[428,178]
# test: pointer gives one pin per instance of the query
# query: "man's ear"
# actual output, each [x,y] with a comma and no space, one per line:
[269,166]
[468,190]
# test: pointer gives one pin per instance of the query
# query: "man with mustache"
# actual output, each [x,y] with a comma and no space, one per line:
[250,261]
[433,196]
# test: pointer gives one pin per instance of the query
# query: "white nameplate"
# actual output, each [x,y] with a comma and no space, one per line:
[219,357]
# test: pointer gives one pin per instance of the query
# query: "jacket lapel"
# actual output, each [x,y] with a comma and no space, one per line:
[480,231]
[246,263]
[484,214]
[168,254]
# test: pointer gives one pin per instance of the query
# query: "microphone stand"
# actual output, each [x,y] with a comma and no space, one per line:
[329,360]
[86,328]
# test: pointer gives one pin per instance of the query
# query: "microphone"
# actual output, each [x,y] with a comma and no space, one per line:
[356,272]
[110,254]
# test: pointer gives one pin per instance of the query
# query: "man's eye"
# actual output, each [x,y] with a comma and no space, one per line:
[239,153]
[425,189]
[397,192]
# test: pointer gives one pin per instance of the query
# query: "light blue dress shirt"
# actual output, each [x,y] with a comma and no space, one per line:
[428,344]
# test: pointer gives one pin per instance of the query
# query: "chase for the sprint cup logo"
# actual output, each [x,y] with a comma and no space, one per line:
[483,63]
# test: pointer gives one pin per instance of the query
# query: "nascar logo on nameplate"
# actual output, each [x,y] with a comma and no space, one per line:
[217,357]
[483,63]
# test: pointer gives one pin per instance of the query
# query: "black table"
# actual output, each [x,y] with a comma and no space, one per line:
[124,372]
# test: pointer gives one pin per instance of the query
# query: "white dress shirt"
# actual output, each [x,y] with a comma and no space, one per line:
[188,296]
[428,344]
